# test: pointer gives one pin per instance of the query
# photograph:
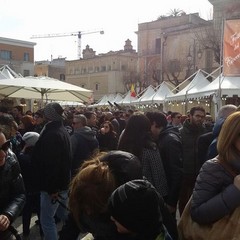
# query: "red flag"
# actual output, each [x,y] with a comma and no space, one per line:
[231,48]
[133,93]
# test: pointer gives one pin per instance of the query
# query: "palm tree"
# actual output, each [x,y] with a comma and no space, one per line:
[176,12]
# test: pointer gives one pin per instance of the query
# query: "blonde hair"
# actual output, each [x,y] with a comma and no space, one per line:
[228,135]
[91,188]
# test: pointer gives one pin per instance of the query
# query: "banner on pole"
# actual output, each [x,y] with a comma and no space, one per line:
[231,48]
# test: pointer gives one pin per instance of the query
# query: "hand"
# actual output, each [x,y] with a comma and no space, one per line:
[102,130]
[4,222]
[236,182]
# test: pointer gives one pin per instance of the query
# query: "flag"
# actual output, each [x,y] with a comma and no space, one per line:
[231,48]
[133,93]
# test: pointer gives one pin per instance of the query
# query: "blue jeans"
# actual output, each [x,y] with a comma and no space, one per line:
[48,211]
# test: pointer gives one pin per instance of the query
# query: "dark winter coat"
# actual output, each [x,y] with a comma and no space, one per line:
[52,159]
[12,191]
[189,134]
[84,144]
[170,147]
[107,141]
[214,194]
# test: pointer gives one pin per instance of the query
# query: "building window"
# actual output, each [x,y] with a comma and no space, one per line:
[6,55]
[158,46]
[26,57]
[124,67]
[103,69]
[96,69]
[26,73]
[109,68]
[97,86]
[62,77]
[83,85]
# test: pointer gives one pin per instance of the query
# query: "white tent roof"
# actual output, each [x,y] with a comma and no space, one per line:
[161,94]
[229,86]
[199,81]
[118,98]
[127,99]
[7,72]
[105,99]
[146,97]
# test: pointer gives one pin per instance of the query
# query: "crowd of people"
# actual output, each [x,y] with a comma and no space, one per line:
[116,174]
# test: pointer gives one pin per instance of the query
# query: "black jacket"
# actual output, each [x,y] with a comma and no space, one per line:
[170,147]
[84,144]
[190,134]
[51,159]
[12,191]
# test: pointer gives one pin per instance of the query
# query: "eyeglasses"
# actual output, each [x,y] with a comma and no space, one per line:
[5,146]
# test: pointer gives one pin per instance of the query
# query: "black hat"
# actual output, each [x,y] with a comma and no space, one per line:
[135,205]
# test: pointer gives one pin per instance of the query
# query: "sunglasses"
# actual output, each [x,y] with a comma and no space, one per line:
[5,146]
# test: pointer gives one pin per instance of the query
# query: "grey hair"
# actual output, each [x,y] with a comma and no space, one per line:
[226,110]
[81,118]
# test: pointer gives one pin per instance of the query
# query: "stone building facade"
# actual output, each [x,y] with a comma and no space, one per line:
[54,68]
[104,73]
[18,55]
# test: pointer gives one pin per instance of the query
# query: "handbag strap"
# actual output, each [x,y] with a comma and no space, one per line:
[227,167]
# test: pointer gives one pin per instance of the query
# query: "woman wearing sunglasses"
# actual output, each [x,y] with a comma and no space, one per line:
[12,192]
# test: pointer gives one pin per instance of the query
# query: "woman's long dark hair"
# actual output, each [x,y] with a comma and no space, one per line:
[135,135]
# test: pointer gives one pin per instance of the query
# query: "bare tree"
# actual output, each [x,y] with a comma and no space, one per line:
[210,38]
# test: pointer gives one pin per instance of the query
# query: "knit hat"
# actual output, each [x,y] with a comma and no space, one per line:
[135,205]
[53,111]
[30,138]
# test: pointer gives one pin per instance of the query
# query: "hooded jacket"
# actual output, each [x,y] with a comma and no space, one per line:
[84,144]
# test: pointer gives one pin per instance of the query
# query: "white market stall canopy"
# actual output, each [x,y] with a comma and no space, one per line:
[128,99]
[162,92]
[118,98]
[7,72]
[146,96]
[44,88]
[199,81]
[228,86]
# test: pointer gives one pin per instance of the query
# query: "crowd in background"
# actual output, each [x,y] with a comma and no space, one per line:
[76,166]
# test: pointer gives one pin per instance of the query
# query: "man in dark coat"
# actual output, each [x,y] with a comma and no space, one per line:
[84,142]
[170,148]
[190,132]
[52,167]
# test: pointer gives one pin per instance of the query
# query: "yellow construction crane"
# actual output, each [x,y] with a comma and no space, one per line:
[78,34]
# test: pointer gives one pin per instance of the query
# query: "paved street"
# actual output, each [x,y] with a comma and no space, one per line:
[34,232]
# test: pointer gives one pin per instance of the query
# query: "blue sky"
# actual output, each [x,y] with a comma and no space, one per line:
[118,19]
